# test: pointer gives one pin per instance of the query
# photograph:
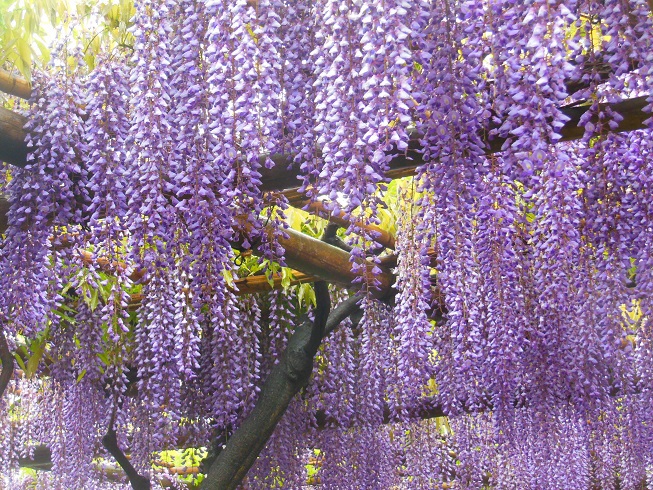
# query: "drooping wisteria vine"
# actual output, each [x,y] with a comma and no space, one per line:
[523,266]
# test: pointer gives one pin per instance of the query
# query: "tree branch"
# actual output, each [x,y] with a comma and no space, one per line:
[349,307]
[7,363]
[110,443]
[289,376]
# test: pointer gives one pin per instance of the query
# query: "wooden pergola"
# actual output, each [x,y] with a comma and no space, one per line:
[311,259]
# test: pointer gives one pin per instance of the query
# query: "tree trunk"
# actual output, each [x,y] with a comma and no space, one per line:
[289,376]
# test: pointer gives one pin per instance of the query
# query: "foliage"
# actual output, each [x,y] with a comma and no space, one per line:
[22,32]
[28,29]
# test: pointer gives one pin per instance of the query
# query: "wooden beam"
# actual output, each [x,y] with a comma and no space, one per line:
[383,237]
[244,285]
[13,148]
[311,260]
[283,177]
[13,85]
[329,263]
[260,284]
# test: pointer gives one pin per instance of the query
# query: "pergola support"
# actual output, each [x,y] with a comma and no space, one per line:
[283,177]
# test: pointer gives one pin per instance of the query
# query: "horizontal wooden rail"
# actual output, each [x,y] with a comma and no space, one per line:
[311,259]
[283,176]
[13,85]
[243,285]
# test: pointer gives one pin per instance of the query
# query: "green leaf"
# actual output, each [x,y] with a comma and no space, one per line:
[67,308]
[286,277]
[306,295]
[66,288]
[24,51]
[92,300]
[106,287]
[103,357]
[61,314]
[35,358]
[20,362]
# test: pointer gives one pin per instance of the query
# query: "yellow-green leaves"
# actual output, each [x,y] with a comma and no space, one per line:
[26,29]
[29,357]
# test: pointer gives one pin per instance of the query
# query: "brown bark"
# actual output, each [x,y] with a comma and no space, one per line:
[289,376]
[331,264]
[7,363]
[110,443]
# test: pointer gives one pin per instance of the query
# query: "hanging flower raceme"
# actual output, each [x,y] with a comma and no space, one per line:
[243,78]
[106,131]
[333,381]
[451,123]
[294,430]
[159,380]
[47,195]
[501,338]
[413,330]
[150,217]
[230,362]
[363,66]
[298,108]
[529,65]
[199,189]
[362,91]
[282,316]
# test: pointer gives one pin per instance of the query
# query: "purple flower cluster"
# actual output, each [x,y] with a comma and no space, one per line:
[45,198]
